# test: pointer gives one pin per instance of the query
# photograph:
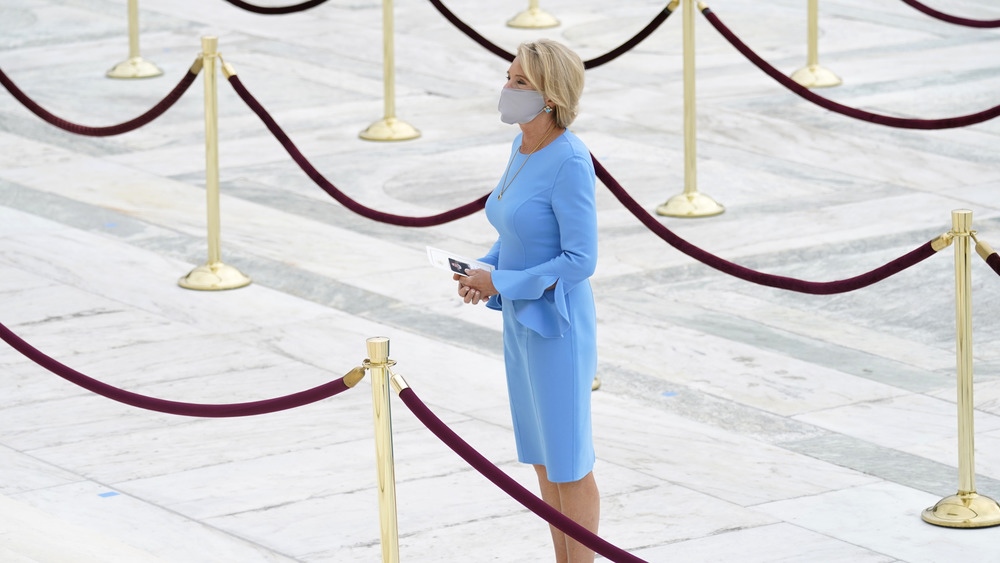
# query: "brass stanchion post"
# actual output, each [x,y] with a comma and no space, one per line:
[135,66]
[213,275]
[533,18]
[379,362]
[389,128]
[966,509]
[813,75]
[691,203]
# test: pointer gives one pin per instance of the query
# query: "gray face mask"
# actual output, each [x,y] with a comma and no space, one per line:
[519,106]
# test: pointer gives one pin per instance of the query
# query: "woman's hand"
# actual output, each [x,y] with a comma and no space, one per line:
[476,286]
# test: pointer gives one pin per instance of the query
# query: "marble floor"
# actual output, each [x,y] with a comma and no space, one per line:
[735,422]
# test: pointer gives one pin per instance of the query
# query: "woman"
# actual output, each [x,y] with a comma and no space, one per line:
[544,211]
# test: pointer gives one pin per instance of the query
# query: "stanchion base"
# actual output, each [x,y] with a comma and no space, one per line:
[692,204]
[815,76]
[963,510]
[389,129]
[137,67]
[596,384]
[214,277]
[533,18]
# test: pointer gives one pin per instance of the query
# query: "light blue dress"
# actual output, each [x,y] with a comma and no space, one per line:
[547,222]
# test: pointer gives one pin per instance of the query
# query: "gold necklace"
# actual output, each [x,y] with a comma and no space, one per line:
[507,184]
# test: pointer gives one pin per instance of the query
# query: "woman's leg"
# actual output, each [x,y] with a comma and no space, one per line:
[581,501]
[550,494]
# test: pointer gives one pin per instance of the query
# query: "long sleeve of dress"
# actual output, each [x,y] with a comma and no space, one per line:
[493,258]
[574,208]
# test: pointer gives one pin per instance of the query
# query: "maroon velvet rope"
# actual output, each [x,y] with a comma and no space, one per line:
[814,288]
[322,182]
[173,407]
[945,123]
[952,19]
[509,485]
[473,34]
[278,10]
[994,262]
[822,288]
[153,113]
[592,63]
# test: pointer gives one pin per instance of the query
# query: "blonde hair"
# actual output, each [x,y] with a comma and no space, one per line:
[557,73]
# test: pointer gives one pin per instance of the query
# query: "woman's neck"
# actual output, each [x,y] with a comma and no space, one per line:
[538,133]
